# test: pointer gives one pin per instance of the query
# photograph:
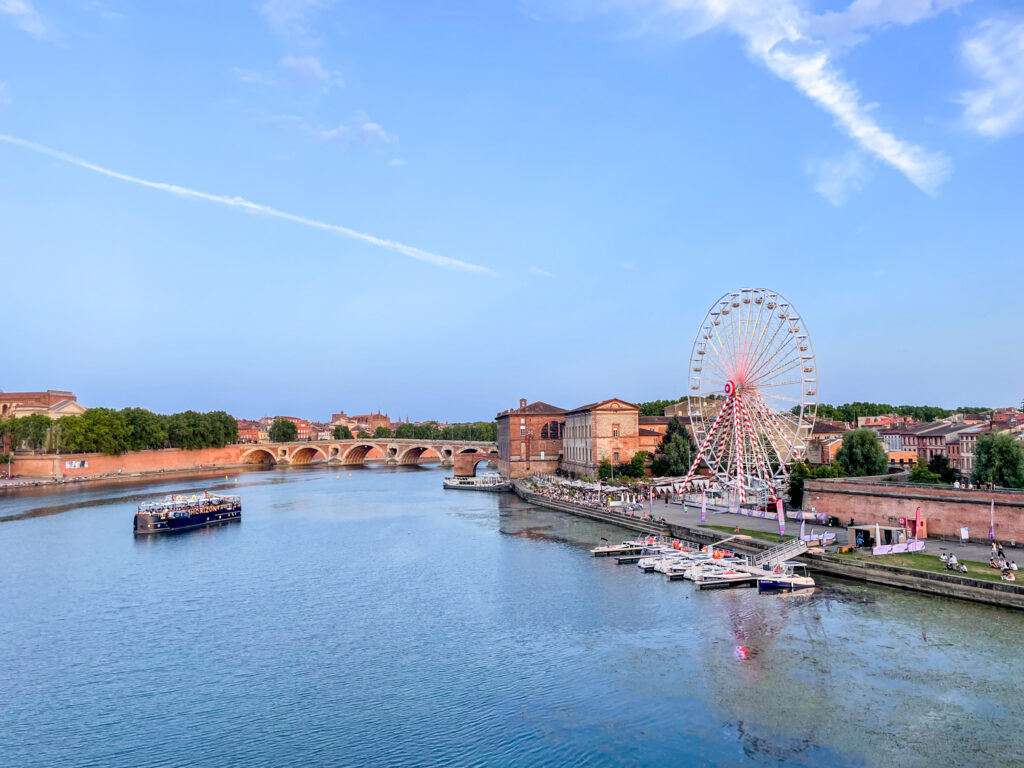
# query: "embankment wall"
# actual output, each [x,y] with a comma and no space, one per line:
[168,460]
[945,509]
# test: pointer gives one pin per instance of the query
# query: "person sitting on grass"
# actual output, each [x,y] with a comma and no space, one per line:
[992,563]
[944,558]
[1007,575]
[953,562]
[1013,565]
[963,568]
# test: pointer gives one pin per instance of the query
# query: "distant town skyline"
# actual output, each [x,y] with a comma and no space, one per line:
[320,205]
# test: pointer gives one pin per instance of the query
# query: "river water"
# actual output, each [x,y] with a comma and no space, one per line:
[369,617]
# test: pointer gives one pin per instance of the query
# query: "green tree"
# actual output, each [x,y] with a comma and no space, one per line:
[922,473]
[362,433]
[999,459]
[341,432]
[862,454]
[604,468]
[657,407]
[35,430]
[638,462]
[675,453]
[801,472]
[939,465]
[283,431]
[382,432]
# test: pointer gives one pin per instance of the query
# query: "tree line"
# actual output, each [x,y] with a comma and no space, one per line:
[482,431]
[850,411]
[104,430]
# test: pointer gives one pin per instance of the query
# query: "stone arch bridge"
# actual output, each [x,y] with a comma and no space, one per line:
[463,455]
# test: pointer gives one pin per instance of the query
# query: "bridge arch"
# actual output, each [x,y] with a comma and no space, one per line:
[258,456]
[359,452]
[416,453]
[467,461]
[307,455]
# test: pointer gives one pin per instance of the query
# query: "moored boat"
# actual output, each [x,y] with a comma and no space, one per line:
[181,513]
[489,482]
[786,577]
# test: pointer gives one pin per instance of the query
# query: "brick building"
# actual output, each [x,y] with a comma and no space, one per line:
[248,431]
[52,403]
[301,424]
[609,430]
[530,439]
[369,422]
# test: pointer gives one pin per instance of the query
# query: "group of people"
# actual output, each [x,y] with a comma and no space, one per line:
[571,494]
[1007,568]
[952,564]
[998,560]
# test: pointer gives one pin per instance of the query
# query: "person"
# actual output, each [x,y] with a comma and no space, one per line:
[962,568]
[994,550]
[1007,575]
[1013,565]
[1000,550]
[992,562]
[956,484]
[944,558]
[953,562]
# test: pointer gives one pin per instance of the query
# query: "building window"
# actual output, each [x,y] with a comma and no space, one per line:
[615,431]
[616,457]
[522,431]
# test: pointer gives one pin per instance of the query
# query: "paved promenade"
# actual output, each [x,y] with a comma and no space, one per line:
[674,513]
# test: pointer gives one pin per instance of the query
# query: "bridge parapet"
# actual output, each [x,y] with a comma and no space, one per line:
[357,451]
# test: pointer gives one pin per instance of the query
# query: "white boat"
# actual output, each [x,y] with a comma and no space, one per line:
[489,482]
[636,546]
[720,577]
[786,577]
[648,564]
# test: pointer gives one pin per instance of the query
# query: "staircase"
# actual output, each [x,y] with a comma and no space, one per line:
[780,553]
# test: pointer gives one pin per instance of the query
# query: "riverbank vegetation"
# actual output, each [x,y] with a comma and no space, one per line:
[104,430]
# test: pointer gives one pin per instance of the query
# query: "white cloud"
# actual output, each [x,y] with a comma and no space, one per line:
[541,272]
[359,130]
[5,98]
[395,162]
[310,68]
[254,208]
[292,18]
[836,179]
[845,27]
[253,77]
[25,17]
[780,34]
[995,53]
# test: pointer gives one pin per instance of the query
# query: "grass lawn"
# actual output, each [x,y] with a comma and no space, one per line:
[920,562]
[731,530]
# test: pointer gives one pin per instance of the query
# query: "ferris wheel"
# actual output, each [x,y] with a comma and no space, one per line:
[753,391]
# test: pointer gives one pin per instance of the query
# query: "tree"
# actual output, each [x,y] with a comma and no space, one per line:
[638,462]
[940,466]
[362,433]
[34,430]
[675,454]
[862,454]
[922,473]
[801,472]
[341,432]
[604,468]
[382,432]
[999,459]
[283,431]
[657,407]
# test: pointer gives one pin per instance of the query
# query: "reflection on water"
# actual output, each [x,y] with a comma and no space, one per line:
[371,618]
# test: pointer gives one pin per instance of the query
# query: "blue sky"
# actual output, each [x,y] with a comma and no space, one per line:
[437,208]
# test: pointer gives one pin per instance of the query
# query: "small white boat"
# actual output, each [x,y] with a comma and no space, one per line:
[786,577]
[634,547]
[720,577]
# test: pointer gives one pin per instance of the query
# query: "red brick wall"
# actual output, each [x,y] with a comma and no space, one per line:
[141,461]
[945,509]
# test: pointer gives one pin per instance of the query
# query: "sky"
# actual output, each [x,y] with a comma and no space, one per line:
[435,208]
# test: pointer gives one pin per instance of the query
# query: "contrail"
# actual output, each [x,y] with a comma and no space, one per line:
[265,210]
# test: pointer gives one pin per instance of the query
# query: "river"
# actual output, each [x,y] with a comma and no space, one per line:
[368,617]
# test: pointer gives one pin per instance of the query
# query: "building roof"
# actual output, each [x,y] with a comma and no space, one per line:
[538,407]
[656,419]
[649,432]
[595,406]
[826,427]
